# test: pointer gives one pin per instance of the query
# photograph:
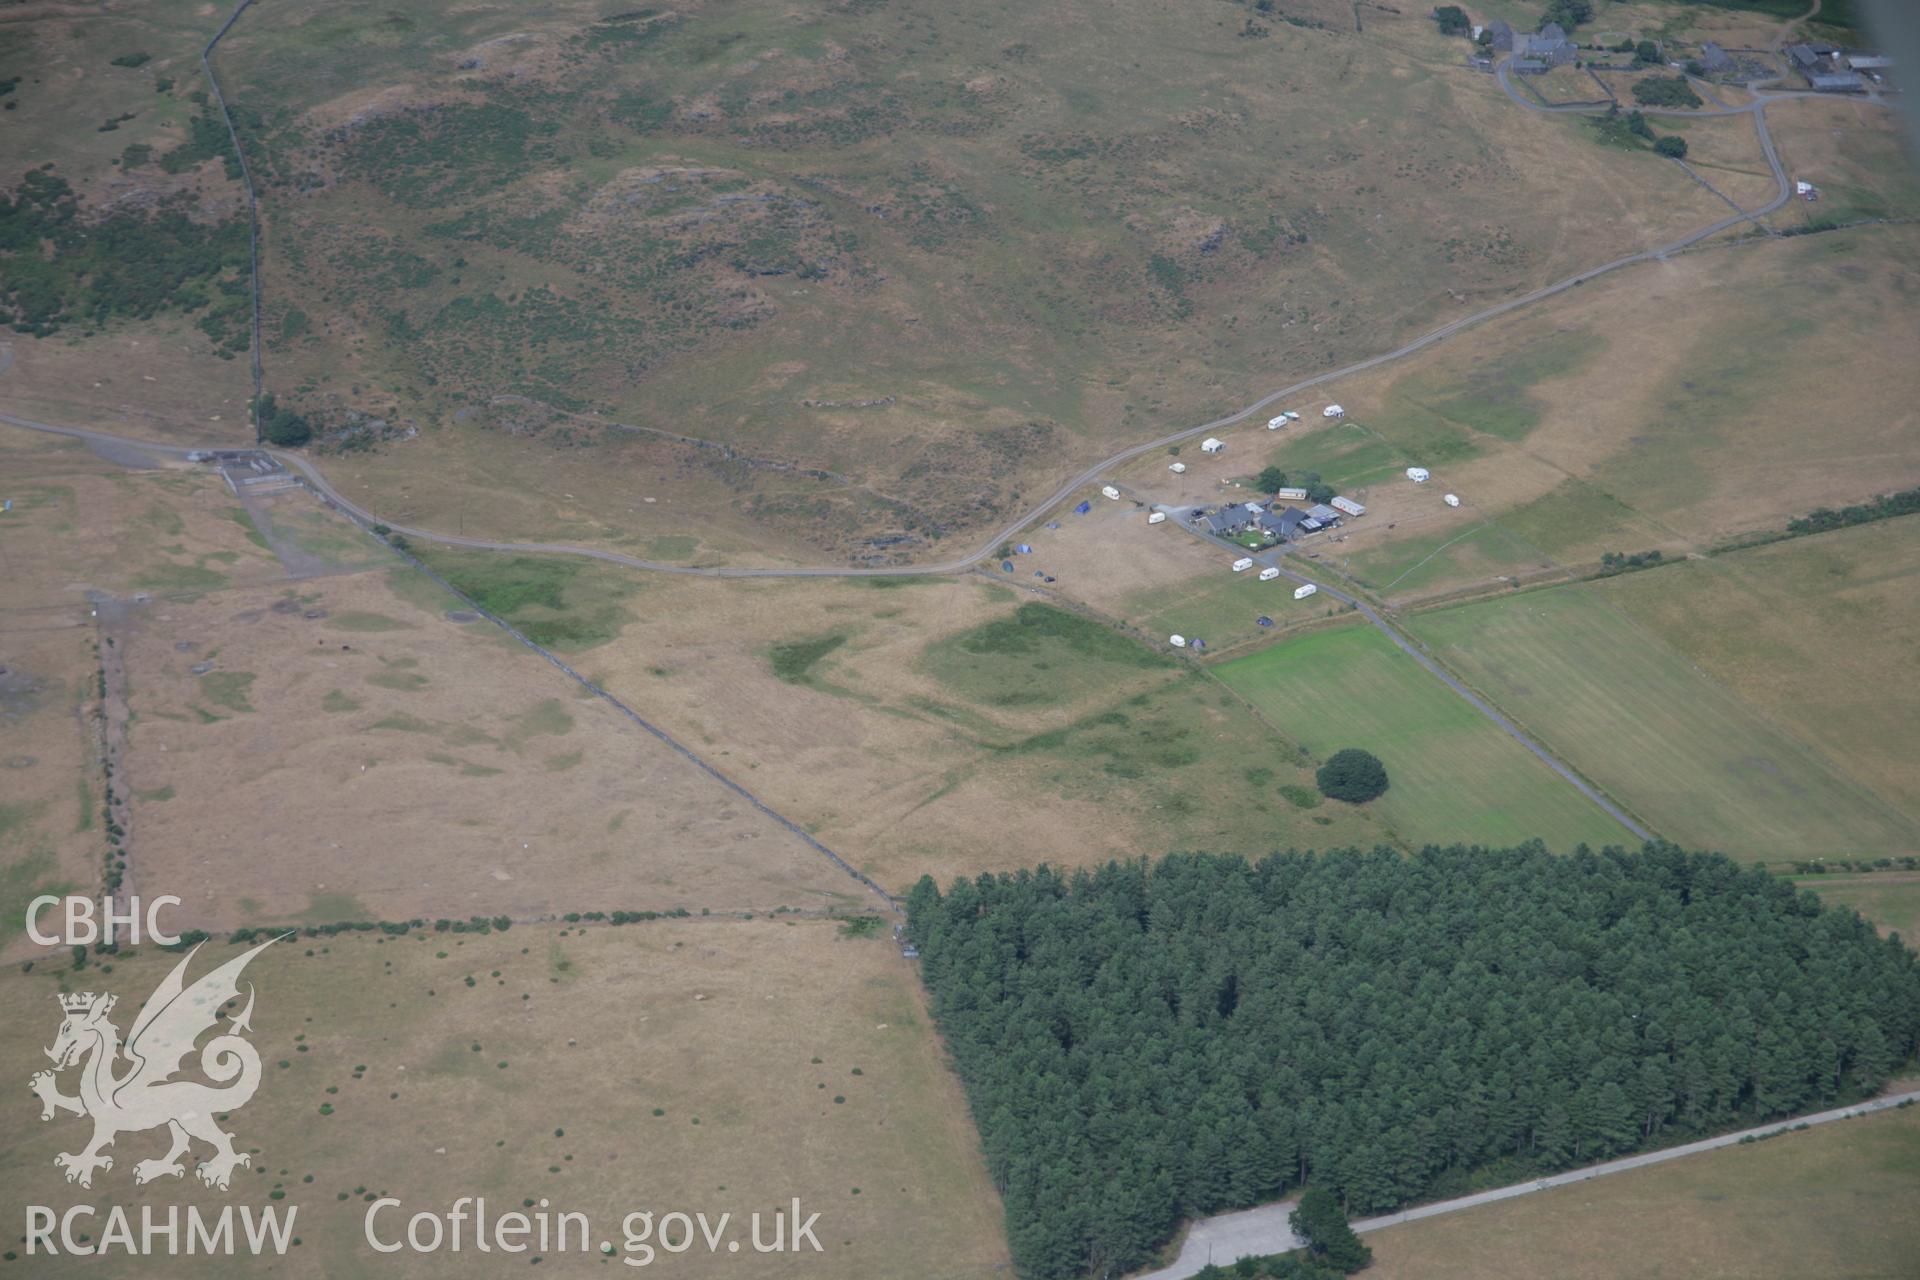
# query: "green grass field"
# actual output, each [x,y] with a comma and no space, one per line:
[1408,564]
[1697,764]
[1456,778]
[1347,455]
[1817,632]
[1039,656]
[1498,398]
[563,603]
[1220,608]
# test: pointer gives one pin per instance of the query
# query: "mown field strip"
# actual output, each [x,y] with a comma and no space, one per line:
[1457,778]
[1630,712]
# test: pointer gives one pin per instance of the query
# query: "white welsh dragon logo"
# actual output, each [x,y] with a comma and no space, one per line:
[145,1095]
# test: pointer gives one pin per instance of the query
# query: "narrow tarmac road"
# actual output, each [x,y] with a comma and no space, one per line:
[1258,1232]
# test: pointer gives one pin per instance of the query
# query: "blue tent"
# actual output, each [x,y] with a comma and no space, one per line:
[1023,549]
[1007,565]
[1083,508]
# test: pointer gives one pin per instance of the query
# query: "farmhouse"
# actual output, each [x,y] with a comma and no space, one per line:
[1283,527]
[1223,523]
[1550,48]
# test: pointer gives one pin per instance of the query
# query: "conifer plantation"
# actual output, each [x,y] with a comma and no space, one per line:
[1148,1042]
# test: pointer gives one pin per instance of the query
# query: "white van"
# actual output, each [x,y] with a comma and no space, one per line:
[1110,492]
[1158,517]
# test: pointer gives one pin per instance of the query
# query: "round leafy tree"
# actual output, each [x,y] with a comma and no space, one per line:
[1352,775]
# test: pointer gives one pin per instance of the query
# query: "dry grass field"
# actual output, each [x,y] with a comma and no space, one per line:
[333,746]
[1661,407]
[1848,151]
[1820,1203]
[1816,633]
[82,523]
[154,379]
[1685,754]
[923,728]
[51,837]
[342,749]
[699,1065]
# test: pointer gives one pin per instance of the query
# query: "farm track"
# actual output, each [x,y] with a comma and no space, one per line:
[986,549]
[318,481]
[321,485]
